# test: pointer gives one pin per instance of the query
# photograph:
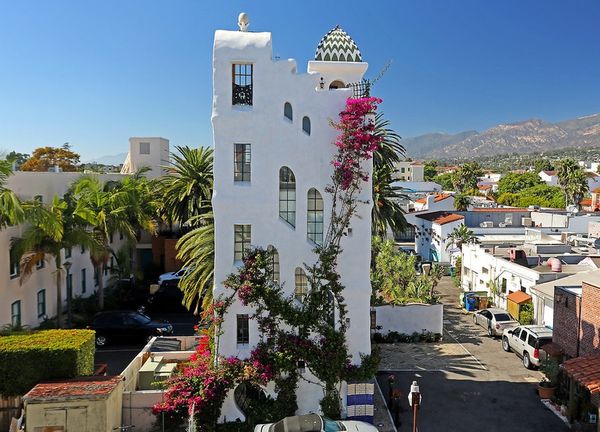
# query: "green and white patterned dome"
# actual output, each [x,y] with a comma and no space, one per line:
[337,46]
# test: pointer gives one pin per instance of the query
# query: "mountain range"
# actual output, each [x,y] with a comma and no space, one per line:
[109,159]
[529,136]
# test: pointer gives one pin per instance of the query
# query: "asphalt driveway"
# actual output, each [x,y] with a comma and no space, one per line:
[467,381]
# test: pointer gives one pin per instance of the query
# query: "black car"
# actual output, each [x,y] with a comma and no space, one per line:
[167,299]
[121,326]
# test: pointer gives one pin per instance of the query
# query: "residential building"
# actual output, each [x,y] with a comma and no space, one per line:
[549,177]
[410,171]
[273,151]
[29,301]
[435,202]
[147,152]
[431,234]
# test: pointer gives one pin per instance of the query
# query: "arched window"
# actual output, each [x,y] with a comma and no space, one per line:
[288,112]
[273,263]
[314,216]
[306,125]
[301,285]
[337,84]
[287,196]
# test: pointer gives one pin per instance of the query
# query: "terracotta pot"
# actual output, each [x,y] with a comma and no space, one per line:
[546,390]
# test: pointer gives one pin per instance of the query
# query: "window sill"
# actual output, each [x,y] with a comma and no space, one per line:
[242,108]
[243,345]
[242,183]
[14,276]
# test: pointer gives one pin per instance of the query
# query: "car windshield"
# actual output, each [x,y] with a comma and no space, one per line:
[332,425]
[503,317]
[142,319]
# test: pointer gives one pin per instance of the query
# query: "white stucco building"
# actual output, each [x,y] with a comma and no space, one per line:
[273,146]
[410,171]
[30,301]
[147,152]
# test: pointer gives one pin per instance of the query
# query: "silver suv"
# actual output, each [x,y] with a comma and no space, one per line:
[526,342]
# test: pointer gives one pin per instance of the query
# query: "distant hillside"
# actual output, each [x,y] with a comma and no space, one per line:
[109,159]
[529,136]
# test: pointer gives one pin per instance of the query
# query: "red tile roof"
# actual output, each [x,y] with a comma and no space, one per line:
[438,197]
[519,297]
[501,209]
[447,219]
[586,202]
[484,187]
[78,388]
[585,370]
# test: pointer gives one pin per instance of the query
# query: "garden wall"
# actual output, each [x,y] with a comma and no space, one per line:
[410,318]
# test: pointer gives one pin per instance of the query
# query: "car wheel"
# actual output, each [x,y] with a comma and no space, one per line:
[100,340]
[490,331]
[526,361]
[505,344]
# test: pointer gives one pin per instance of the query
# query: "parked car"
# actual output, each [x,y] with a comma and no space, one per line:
[527,342]
[172,276]
[314,423]
[120,326]
[494,320]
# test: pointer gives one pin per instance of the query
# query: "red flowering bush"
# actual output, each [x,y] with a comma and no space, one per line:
[356,142]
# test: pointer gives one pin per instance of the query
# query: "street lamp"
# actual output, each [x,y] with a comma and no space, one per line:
[67,265]
[414,400]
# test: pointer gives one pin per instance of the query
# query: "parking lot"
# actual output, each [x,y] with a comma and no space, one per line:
[467,381]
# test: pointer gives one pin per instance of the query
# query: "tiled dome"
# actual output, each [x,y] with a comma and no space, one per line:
[336,45]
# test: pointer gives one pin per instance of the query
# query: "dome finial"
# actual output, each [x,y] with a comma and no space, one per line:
[243,22]
[337,46]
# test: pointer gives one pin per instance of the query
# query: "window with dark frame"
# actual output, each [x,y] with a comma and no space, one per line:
[314,217]
[306,125]
[301,284]
[242,162]
[145,148]
[288,112]
[15,314]
[83,280]
[68,252]
[41,303]
[241,84]
[15,266]
[243,329]
[287,196]
[273,263]
[242,235]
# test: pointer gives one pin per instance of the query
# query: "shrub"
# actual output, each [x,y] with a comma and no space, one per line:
[28,359]
[526,314]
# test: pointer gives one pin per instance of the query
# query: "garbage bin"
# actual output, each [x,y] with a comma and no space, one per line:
[470,302]
[452,271]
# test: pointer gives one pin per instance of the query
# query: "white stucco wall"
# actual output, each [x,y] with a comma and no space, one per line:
[277,142]
[410,318]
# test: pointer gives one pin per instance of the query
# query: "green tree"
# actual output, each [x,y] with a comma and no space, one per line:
[541,195]
[572,180]
[542,164]
[44,158]
[459,236]
[445,181]
[461,202]
[51,229]
[513,182]
[188,185]
[110,208]
[466,176]
[11,212]
[430,170]
[17,158]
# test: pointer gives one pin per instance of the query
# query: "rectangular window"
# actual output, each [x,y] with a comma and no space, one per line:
[83,281]
[402,170]
[243,329]
[241,84]
[503,286]
[41,303]
[68,252]
[15,268]
[15,314]
[145,148]
[241,162]
[242,234]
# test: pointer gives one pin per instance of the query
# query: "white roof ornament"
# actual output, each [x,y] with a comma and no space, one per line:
[243,22]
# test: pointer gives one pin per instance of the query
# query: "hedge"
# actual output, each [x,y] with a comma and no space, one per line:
[28,359]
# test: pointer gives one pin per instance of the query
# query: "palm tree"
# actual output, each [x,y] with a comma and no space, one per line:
[196,249]
[109,208]
[461,202]
[386,211]
[571,179]
[466,177]
[459,236]
[51,230]
[11,212]
[189,184]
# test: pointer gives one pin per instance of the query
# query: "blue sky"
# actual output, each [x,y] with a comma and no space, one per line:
[94,73]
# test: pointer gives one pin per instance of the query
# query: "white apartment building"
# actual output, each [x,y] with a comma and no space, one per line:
[273,146]
[30,301]
[410,171]
[147,152]
[431,234]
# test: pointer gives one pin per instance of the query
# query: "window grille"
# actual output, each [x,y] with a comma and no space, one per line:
[242,84]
